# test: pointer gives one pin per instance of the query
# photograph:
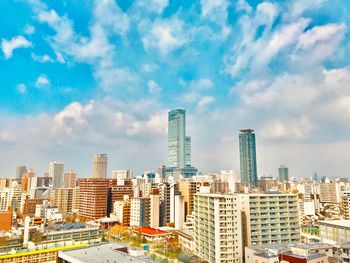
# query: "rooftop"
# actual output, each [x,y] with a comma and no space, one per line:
[341,223]
[102,253]
[148,231]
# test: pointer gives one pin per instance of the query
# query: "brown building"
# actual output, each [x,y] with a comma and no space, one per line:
[267,183]
[93,198]
[30,205]
[6,219]
[69,179]
[188,189]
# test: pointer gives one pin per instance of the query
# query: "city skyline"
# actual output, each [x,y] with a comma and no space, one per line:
[100,76]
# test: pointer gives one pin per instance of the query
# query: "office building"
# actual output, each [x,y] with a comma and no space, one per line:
[69,179]
[20,170]
[99,168]
[56,170]
[217,233]
[247,154]
[93,198]
[283,175]
[270,218]
[179,146]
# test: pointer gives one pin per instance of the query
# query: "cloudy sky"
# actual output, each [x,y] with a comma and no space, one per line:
[85,77]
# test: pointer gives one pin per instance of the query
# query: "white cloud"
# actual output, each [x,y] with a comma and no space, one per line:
[319,43]
[7,137]
[204,102]
[71,117]
[42,59]
[153,87]
[108,15]
[29,29]
[287,129]
[156,6]
[164,36]
[203,83]
[22,88]
[42,81]
[114,78]
[8,46]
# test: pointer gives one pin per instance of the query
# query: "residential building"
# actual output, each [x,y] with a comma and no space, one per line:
[121,211]
[70,179]
[140,211]
[330,193]
[270,218]
[93,198]
[218,232]
[122,174]
[247,153]
[66,199]
[154,206]
[99,167]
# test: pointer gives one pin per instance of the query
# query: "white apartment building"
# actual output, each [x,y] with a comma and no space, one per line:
[270,218]
[218,232]
[140,211]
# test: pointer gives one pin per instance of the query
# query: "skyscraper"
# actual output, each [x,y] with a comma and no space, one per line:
[179,146]
[247,154]
[20,170]
[99,168]
[283,174]
[56,172]
[177,138]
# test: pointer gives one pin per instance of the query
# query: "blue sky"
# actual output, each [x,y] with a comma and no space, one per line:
[87,77]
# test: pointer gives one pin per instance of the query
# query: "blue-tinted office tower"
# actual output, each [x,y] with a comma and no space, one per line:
[247,154]
[179,146]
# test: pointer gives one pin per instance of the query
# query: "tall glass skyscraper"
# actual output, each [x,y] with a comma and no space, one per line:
[247,154]
[179,146]
[177,138]
[283,174]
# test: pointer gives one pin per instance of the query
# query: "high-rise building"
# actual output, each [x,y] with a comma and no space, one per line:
[93,198]
[99,169]
[283,175]
[66,199]
[155,203]
[121,211]
[247,153]
[270,218]
[20,170]
[56,170]
[140,211]
[69,179]
[177,138]
[179,146]
[122,174]
[218,228]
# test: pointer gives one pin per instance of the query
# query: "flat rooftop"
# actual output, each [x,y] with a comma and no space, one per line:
[101,254]
[340,223]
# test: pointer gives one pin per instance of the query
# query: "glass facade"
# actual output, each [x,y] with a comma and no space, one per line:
[177,138]
[247,152]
